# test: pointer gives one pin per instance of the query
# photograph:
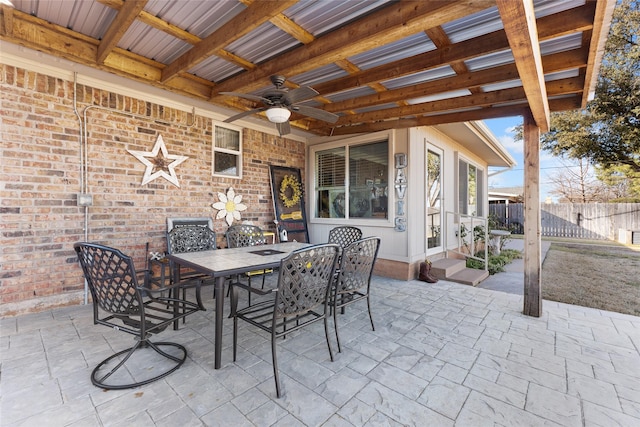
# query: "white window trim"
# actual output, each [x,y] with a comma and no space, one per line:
[214,149]
[478,167]
[359,140]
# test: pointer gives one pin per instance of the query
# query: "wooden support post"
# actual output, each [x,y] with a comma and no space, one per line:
[532,241]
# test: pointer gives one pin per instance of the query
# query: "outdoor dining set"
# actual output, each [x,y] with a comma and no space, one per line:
[314,281]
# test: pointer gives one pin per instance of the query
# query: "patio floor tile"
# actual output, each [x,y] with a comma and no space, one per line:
[442,354]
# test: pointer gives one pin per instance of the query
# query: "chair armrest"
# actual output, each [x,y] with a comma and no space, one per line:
[254,290]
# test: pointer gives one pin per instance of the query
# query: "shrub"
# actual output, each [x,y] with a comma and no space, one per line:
[496,262]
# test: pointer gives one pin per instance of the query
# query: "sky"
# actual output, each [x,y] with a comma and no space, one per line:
[503,131]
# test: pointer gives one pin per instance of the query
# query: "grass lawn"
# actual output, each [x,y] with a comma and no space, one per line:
[593,274]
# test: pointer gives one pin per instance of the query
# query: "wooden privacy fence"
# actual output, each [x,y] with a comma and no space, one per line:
[599,221]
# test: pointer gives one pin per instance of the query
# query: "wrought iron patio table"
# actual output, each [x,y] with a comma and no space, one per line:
[223,263]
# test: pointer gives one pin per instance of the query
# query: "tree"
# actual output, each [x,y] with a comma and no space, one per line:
[607,131]
[622,183]
[577,183]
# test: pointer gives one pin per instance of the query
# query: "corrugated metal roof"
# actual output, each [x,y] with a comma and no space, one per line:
[490,60]
[425,76]
[200,18]
[263,43]
[401,49]
[351,93]
[474,25]
[549,7]
[561,44]
[439,96]
[155,44]
[319,17]
[215,69]
[319,75]
[87,17]
[317,63]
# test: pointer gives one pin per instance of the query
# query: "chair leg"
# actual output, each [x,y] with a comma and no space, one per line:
[235,335]
[326,335]
[249,291]
[335,325]
[233,300]
[101,381]
[369,308]
[275,364]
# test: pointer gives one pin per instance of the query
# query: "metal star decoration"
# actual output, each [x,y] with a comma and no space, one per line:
[159,163]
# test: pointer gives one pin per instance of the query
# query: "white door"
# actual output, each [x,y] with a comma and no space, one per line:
[434,174]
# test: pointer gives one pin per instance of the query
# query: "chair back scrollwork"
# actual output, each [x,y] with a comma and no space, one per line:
[344,235]
[190,238]
[239,236]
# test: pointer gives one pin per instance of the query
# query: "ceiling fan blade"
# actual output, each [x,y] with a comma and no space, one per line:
[301,94]
[247,96]
[316,113]
[283,128]
[244,114]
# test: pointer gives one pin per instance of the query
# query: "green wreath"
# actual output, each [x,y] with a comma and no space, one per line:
[290,184]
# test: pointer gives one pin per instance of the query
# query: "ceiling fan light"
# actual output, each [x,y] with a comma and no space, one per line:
[278,114]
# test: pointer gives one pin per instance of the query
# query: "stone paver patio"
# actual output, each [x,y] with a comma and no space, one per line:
[442,354]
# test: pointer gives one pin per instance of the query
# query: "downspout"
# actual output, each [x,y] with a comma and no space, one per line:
[84,155]
[83,168]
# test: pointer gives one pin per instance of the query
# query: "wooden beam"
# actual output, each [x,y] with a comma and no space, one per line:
[157,23]
[567,22]
[552,63]
[481,99]
[6,23]
[391,23]
[532,239]
[602,19]
[252,17]
[125,17]
[438,119]
[179,33]
[518,19]
[518,109]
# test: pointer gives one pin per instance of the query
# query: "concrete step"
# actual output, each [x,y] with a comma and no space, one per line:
[469,276]
[455,270]
[446,267]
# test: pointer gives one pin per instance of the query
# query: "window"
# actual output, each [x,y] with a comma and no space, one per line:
[227,151]
[365,193]
[471,189]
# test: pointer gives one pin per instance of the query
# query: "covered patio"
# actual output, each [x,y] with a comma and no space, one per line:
[442,354]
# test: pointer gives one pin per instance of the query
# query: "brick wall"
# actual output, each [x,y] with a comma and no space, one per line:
[41,173]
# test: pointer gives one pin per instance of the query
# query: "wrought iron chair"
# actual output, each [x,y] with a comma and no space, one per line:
[120,302]
[190,238]
[301,297]
[344,235]
[203,221]
[353,280]
[247,235]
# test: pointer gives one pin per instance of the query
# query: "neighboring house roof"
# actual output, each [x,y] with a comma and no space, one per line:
[377,64]
[511,194]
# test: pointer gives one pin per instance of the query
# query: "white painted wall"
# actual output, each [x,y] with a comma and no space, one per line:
[408,246]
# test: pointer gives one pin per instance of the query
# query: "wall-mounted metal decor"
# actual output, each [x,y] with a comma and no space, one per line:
[159,163]
[401,188]
[229,206]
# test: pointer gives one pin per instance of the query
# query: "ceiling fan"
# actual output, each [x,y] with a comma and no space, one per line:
[280,102]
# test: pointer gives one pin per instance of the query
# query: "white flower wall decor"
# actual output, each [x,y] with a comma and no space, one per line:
[229,206]
[159,163]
